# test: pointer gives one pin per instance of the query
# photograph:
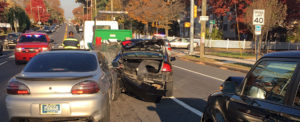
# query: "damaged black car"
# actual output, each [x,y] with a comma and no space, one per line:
[145,68]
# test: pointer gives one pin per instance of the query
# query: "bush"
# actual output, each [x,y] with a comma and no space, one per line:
[216,34]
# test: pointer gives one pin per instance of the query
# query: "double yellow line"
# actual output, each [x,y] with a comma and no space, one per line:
[66,32]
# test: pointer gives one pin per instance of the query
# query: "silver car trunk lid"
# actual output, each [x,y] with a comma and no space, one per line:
[49,83]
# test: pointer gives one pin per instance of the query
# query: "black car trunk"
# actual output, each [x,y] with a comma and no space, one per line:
[144,70]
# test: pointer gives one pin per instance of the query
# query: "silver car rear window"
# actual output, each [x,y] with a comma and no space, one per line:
[62,62]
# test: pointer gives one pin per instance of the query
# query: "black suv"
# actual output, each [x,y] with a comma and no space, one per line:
[269,92]
[145,68]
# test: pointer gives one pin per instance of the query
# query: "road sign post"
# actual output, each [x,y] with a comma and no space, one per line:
[258,21]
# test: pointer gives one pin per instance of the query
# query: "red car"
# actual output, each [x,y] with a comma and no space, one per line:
[30,44]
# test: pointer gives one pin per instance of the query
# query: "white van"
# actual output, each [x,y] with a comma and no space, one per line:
[89,32]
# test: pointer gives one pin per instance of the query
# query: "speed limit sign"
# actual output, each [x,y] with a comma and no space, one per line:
[258,17]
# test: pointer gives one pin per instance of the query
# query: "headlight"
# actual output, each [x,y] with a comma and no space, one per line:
[19,49]
[44,48]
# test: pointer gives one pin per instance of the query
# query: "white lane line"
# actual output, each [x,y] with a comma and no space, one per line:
[199,73]
[195,111]
[3,63]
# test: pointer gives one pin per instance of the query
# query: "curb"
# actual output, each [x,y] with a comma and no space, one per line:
[217,65]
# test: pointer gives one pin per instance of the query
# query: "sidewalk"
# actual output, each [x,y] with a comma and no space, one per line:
[242,61]
[224,59]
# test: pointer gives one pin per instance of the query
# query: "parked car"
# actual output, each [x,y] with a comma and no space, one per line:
[11,39]
[1,44]
[47,29]
[145,68]
[52,29]
[181,43]
[269,92]
[31,44]
[61,86]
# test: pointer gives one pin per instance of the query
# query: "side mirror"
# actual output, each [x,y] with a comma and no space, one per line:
[231,84]
[51,40]
[173,58]
[115,64]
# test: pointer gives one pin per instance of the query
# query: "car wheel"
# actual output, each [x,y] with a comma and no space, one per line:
[218,116]
[17,62]
[169,88]
[116,90]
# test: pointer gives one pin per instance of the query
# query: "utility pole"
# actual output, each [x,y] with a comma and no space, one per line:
[191,52]
[112,9]
[203,29]
[31,10]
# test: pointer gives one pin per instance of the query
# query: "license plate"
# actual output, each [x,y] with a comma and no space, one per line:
[50,109]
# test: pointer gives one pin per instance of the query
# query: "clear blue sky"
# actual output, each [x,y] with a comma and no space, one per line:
[68,6]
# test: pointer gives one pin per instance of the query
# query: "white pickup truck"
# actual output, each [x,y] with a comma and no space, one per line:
[181,43]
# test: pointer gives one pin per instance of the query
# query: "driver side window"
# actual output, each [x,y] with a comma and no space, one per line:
[270,80]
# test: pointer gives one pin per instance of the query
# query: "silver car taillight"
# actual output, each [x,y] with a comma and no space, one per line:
[17,88]
[85,87]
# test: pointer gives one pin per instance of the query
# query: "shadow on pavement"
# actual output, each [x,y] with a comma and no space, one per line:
[170,111]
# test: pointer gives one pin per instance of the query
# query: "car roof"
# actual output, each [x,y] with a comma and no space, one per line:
[68,51]
[34,33]
[283,54]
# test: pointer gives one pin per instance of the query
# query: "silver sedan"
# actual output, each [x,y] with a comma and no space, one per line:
[60,86]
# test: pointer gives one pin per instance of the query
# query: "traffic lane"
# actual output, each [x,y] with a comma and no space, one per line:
[77,36]
[128,108]
[58,36]
[197,81]
[7,71]
[212,71]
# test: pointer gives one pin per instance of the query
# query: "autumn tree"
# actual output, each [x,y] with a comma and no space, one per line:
[78,14]
[3,5]
[39,11]
[19,20]
[155,11]
[275,15]
[55,10]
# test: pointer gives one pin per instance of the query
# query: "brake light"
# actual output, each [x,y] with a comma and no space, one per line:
[86,87]
[166,67]
[17,88]
[169,47]
[19,49]
[44,48]
[127,42]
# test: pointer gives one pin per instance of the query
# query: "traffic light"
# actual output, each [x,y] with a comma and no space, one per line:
[195,11]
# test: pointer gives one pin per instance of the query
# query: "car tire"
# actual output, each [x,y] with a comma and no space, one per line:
[169,88]
[17,62]
[218,116]
[116,90]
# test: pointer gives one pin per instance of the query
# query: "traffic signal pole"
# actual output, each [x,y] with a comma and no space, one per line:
[191,51]
[203,29]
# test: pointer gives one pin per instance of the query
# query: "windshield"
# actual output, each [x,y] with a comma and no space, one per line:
[12,36]
[47,28]
[33,38]
[62,62]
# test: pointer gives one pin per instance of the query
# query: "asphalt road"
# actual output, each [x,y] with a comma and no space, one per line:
[192,85]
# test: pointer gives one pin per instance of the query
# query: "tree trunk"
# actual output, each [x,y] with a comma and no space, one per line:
[147,29]
[166,31]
